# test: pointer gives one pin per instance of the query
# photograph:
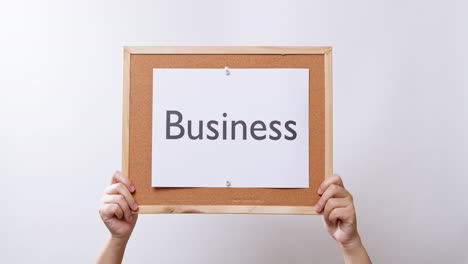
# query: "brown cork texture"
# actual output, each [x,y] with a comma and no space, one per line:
[140,130]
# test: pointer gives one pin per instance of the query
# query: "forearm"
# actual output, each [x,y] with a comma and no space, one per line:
[354,252]
[113,251]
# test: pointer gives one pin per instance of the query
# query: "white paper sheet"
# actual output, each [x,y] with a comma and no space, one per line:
[244,95]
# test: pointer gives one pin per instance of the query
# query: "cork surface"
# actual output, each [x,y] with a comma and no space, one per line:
[140,130]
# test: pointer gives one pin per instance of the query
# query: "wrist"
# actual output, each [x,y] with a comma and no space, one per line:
[352,245]
[113,251]
[354,252]
[118,241]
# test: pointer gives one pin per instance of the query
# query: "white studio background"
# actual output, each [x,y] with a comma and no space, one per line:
[400,127]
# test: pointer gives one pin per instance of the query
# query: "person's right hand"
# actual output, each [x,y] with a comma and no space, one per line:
[117,205]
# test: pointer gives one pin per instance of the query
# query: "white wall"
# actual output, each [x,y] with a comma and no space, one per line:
[400,120]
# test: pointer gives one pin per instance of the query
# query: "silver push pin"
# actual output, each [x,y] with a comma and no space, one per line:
[226,69]
[228,184]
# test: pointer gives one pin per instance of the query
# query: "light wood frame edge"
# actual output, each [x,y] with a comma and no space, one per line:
[229,209]
[126,113]
[225,209]
[227,50]
[328,114]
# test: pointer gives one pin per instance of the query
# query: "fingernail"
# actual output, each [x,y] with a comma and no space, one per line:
[135,206]
[132,188]
[319,191]
[317,208]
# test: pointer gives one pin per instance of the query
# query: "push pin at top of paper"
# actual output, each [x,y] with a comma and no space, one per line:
[226,69]
[228,184]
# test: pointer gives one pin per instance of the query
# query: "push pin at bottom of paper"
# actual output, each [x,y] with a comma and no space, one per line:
[226,69]
[228,184]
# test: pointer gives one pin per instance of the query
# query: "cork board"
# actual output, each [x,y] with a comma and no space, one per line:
[137,128]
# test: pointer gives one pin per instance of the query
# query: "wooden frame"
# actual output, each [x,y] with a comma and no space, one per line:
[229,209]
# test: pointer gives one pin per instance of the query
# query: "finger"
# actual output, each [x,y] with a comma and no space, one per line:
[108,211]
[334,179]
[120,200]
[333,191]
[335,203]
[118,177]
[336,214]
[344,214]
[120,188]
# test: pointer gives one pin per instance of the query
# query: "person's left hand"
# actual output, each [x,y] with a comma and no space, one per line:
[117,205]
